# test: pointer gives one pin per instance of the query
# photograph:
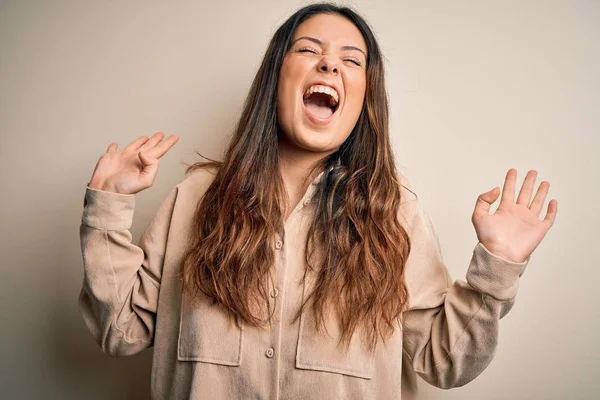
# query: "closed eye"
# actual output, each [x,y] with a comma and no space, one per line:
[354,61]
[307,50]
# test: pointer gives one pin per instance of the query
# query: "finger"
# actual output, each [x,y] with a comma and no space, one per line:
[527,188]
[484,202]
[147,160]
[551,213]
[154,140]
[164,146]
[540,197]
[150,168]
[508,190]
[136,143]
[112,147]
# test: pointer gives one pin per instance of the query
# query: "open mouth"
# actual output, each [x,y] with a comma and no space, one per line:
[321,101]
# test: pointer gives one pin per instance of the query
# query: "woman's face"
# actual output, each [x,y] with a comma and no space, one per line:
[322,83]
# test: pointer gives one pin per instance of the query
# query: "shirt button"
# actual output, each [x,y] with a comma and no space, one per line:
[274,292]
[269,353]
[307,201]
[278,244]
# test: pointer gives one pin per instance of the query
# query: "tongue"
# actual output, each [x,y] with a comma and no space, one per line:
[318,105]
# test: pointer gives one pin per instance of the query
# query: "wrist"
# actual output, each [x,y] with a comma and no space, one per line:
[101,185]
[504,254]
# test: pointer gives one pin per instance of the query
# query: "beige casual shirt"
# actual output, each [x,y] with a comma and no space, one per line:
[131,300]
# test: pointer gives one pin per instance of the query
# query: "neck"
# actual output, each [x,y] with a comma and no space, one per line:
[295,165]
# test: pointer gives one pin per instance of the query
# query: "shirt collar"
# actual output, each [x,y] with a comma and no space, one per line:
[306,199]
[321,175]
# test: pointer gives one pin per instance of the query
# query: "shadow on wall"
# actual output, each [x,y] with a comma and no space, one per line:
[75,365]
[82,367]
[79,366]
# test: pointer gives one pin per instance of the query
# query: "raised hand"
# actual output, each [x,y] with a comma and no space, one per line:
[134,168]
[514,230]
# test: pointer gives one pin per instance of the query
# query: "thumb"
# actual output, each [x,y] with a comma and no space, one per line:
[484,202]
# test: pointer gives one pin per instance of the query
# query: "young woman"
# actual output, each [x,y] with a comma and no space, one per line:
[302,265]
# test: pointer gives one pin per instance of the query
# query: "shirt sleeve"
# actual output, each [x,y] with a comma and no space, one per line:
[451,328]
[119,295]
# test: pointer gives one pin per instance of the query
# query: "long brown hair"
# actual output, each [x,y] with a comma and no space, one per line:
[363,247]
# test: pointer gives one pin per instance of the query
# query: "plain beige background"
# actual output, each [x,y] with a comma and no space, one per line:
[476,87]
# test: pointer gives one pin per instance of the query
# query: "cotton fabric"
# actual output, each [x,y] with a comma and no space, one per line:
[131,299]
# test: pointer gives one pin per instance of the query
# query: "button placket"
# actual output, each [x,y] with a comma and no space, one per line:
[274,293]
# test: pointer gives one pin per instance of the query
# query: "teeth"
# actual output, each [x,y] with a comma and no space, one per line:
[333,94]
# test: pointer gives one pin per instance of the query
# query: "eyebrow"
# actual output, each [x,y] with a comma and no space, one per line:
[320,43]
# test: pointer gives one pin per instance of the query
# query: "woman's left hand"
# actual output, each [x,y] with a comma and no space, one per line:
[514,230]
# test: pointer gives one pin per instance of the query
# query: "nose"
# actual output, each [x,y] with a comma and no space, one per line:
[328,64]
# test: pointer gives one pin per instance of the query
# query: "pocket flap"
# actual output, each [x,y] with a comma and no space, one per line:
[320,350]
[208,334]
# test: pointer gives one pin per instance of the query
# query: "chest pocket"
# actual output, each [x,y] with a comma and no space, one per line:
[320,350]
[208,334]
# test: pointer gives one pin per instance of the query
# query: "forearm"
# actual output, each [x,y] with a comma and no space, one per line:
[117,299]
[450,344]
[121,283]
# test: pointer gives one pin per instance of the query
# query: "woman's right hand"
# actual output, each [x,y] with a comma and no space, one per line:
[134,168]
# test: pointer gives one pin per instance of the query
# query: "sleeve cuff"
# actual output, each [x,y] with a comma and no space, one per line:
[107,211]
[493,275]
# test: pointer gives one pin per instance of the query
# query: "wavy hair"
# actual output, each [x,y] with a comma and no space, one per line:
[356,247]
